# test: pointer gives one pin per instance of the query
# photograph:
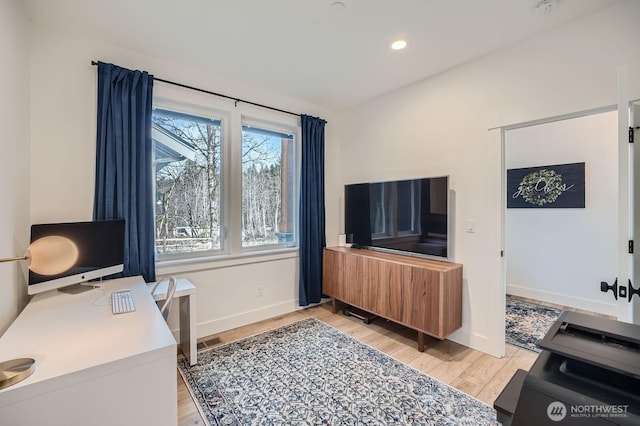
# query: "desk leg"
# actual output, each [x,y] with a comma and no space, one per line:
[188,338]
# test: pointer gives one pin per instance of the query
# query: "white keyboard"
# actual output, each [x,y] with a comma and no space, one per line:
[122,302]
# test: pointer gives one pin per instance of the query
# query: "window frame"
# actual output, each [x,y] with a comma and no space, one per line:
[232,119]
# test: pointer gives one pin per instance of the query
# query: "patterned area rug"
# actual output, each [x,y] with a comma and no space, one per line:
[309,373]
[527,323]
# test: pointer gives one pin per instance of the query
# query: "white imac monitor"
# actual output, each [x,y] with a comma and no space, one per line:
[64,254]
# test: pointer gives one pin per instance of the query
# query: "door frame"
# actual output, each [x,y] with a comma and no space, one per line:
[626,214]
[634,117]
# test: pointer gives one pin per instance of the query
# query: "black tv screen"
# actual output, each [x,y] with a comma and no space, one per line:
[409,216]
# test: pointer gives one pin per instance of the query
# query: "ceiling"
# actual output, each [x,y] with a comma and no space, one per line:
[309,49]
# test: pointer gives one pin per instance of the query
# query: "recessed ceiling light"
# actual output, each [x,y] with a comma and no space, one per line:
[399,44]
[337,5]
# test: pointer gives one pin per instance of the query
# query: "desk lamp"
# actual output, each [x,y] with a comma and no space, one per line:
[48,255]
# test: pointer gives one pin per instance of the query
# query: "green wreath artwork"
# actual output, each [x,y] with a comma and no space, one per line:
[541,187]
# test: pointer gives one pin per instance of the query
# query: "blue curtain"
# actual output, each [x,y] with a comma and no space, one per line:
[124,177]
[312,235]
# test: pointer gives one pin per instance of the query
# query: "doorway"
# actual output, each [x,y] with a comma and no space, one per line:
[560,255]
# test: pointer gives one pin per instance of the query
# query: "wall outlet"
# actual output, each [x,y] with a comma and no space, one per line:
[259,291]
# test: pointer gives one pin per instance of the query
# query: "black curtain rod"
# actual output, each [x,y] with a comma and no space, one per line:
[236,100]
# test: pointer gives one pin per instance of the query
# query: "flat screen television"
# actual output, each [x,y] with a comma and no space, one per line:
[97,251]
[406,216]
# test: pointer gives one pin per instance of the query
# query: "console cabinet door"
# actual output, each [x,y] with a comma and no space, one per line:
[422,295]
[333,273]
[356,279]
[385,295]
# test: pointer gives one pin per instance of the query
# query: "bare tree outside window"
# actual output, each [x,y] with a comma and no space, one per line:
[187,152]
[267,188]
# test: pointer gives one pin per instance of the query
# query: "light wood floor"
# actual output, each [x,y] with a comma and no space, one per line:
[468,370]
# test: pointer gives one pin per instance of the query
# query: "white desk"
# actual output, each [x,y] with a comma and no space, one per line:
[91,363]
[186,295]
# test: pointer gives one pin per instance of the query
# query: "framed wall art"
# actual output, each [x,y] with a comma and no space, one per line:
[555,186]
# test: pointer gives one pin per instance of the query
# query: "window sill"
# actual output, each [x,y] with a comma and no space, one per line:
[194,264]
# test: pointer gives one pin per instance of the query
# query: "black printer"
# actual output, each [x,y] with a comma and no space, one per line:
[587,374]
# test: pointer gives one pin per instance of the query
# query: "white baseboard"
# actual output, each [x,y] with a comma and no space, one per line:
[562,299]
[219,325]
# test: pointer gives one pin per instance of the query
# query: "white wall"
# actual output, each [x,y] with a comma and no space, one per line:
[63,154]
[561,255]
[435,127]
[440,126]
[14,156]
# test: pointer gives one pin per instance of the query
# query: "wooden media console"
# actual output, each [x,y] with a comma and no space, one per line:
[419,293]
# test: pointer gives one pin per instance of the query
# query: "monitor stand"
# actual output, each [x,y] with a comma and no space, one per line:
[79,288]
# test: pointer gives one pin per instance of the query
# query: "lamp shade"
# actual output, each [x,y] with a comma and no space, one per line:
[52,255]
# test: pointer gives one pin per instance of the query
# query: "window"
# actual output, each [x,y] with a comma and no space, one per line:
[187,165]
[214,198]
[268,204]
